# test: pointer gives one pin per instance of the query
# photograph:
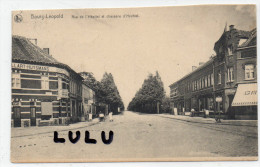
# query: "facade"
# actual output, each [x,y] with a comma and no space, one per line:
[44,91]
[194,91]
[88,102]
[226,83]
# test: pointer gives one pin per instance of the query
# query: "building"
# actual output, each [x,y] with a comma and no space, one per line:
[88,99]
[194,91]
[226,83]
[44,91]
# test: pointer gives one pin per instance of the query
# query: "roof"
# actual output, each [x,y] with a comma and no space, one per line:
[247,42]
[192,72]
[24,49]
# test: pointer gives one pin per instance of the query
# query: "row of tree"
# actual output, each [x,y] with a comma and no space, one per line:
[106,91]
[150,98]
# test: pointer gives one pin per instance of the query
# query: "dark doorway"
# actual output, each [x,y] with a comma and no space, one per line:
[33,116]
[17,116]
[231,112]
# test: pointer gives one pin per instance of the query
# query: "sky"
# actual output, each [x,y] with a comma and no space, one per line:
[169,40]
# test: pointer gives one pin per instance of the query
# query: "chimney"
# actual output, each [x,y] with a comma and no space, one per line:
[231,27]
[194,68]
[200,63]
[46,50]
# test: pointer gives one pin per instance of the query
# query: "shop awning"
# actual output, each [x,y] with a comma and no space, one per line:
[246,95]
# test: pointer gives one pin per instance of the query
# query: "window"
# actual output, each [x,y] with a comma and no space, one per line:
[16,83]
[64,85]
[199,83]
[203,82]
[230,51]
[219,77]
[230,74]
[249,71]
[45,82]
[212,79]
[174,92]
[53,85]
[33,84]
[209,84]
[206,81]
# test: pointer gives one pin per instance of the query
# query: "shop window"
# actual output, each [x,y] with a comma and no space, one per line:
[33,84]
[230,74]
[53,85]
[249,71]
[47,110]
[219,77]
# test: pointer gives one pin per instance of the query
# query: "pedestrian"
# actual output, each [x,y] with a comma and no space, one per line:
[90,116]
[192,112]
[110,116]
[101,116]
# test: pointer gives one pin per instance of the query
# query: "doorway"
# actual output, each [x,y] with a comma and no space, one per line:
[33,116]
[17,116]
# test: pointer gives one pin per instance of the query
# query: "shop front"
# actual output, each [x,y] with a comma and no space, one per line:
[245,101]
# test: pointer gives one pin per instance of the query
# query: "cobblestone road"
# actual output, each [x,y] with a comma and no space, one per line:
[136,136]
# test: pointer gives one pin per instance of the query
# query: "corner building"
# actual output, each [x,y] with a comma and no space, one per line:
[44,91]
[227,82]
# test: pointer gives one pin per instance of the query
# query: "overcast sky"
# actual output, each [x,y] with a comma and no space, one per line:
[167,39]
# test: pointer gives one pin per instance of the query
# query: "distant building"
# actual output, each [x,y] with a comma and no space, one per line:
[88,99]
[44,91]
[227,82]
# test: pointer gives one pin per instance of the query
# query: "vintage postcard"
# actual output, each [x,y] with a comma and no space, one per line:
[134,84]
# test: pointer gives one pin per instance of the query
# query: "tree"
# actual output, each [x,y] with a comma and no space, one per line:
[95,85]
[166,104]
[111,93]
[149,97]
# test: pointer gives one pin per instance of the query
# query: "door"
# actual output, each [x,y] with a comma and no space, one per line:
[33,116]
[231,112]
[17,116]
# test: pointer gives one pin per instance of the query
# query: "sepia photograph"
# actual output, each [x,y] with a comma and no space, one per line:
[175,83]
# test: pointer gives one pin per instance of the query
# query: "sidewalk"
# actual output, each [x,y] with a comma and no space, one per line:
[30,131]
[251,123]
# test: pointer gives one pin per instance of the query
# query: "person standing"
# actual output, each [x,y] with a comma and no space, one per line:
[110,116]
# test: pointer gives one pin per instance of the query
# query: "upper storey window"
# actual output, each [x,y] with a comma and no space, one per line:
[249,71]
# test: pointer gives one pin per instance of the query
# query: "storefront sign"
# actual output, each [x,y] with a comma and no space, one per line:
[246,95]
[39,68]
[254,92]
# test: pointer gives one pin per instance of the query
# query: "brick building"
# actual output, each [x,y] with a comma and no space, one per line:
[227,82]
[44,91]
[88,99]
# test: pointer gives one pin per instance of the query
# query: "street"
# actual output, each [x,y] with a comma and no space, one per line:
[136,137]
